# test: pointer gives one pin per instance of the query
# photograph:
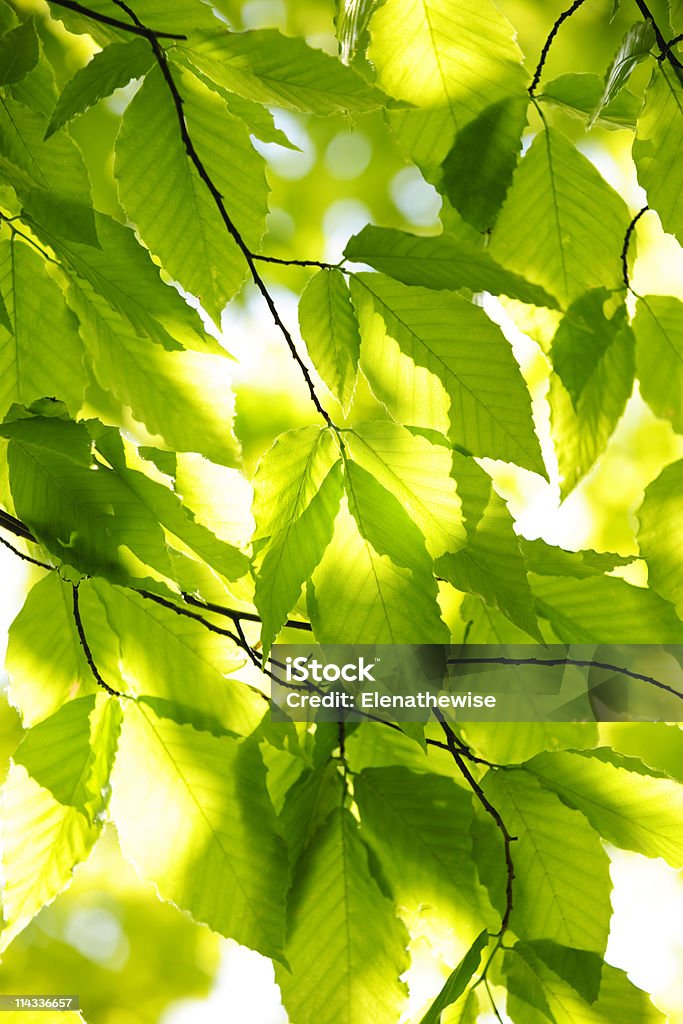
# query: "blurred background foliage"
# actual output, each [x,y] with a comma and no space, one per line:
[135,960]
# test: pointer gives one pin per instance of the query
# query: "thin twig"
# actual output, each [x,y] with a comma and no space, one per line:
[625,247]
[105,19]
[24,557]
[664,47]
[16,527]
[189,615]
[492,811]
[237,616]
[672,42]
[195,159]
[549,42]
[301,263]
[576,662]
[86,648]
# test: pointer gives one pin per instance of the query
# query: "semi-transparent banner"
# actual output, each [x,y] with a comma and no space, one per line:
[478,683]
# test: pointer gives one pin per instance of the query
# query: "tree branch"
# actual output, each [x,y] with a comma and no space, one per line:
[627,242]
[236,616]
[492,811]
[301,263]
[195,159]
[549,42]
[664,47]
[86,648]
[124,26]
[16,527]
[24,557]
[561,662]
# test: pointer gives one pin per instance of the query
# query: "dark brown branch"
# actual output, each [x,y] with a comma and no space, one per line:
[492,811]
[124,26]
[158,599]
[86,648]
[669,46]
[549,42]
[561,662]
[664,47]
[25,557]
[195,159]
[238,616]
[16,527]
[301,263]
[627,242]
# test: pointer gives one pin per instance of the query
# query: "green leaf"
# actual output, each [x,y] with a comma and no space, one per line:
[123,273]
[605,378]
[549,560]
[661,535]
[329,328]
[352,19]
[526,997]
[47,832]
[635,48]
[184,17]
[382,520]
[169,659]
[265,66]
[441,262]
[80,509]
[360,596]
[49,177]
[658,147]
[297,489]
[309,802]
[418,474]
[71,753]
[41,353]
[108,70]
[605,610]
[632,806]
[192,812]
[562,226]
[582,339]
[184,397]
[452,62]
[514,742]
[19,52]
[618,998]
[562,882]
[478,169]
[289,475]
[579,94]
[658,328]
[292,554]
[438,361]
[259,120]
[341,923]
[45,661]
[457,981]
[171,206]
[419,828]
[491,564]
